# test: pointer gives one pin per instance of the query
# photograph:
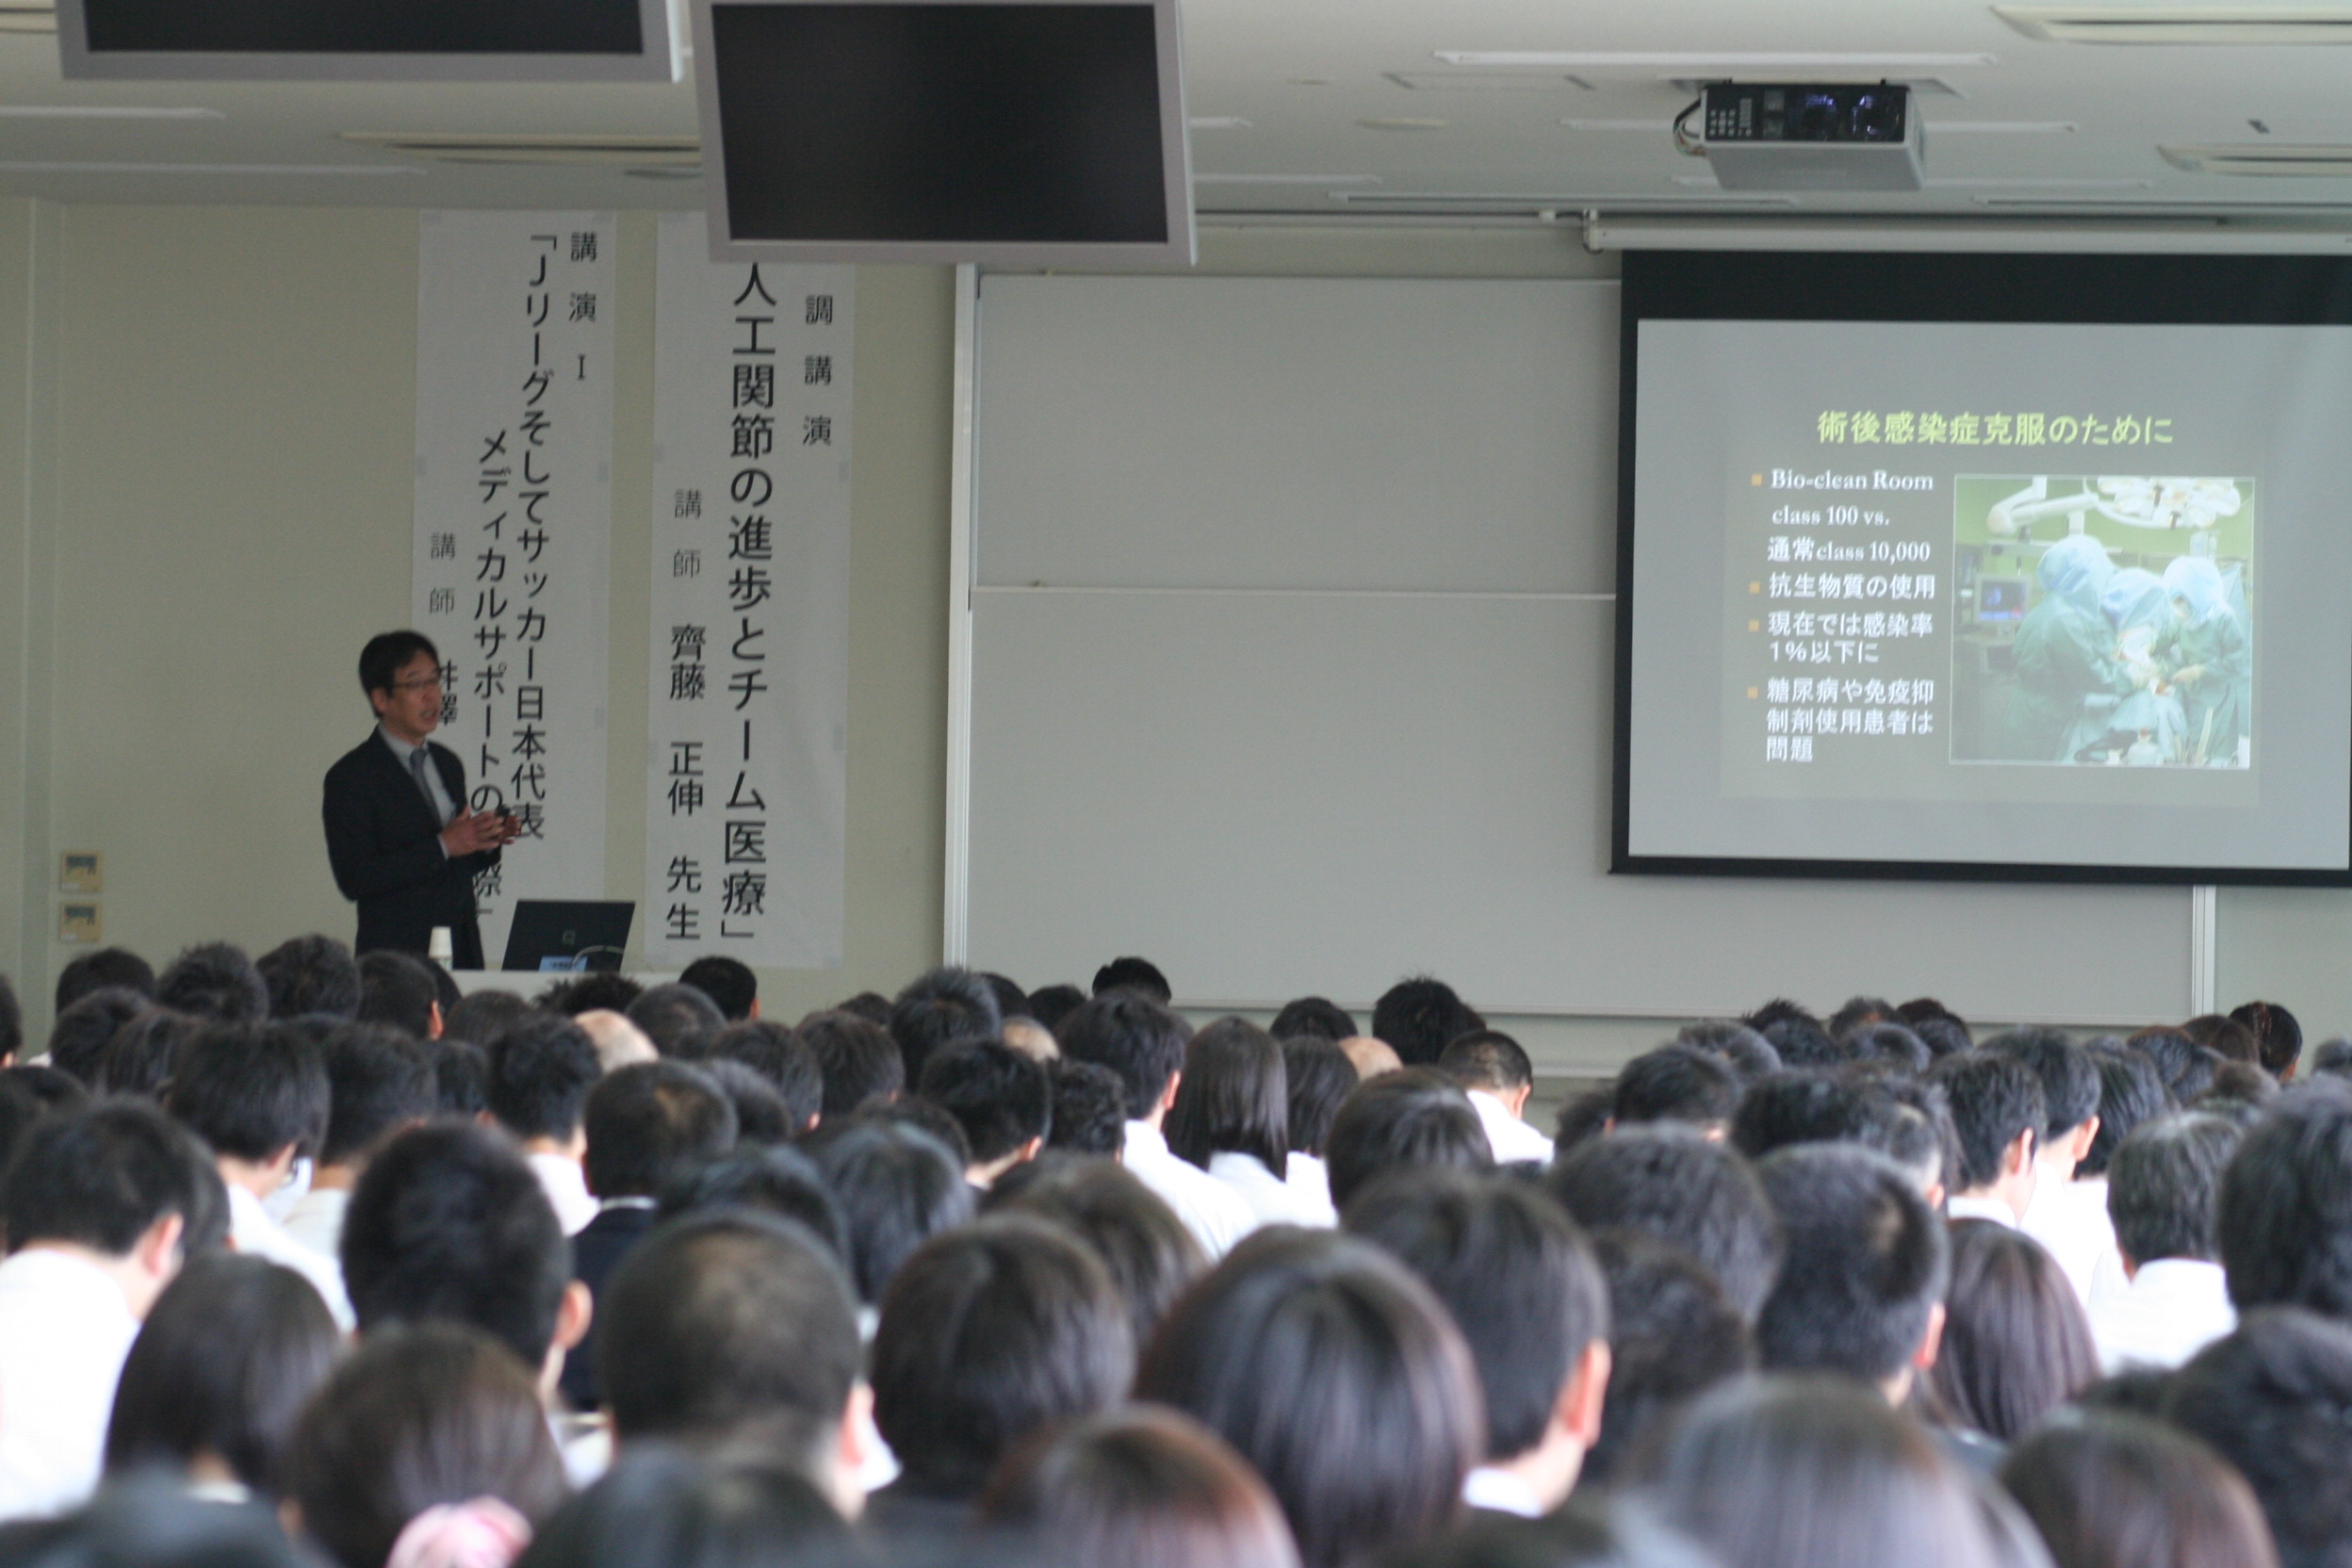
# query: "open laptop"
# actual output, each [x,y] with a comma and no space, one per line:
[567,934]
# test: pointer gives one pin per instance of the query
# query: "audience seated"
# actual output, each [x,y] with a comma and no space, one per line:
[2066,1217]
[2016,1345]
[2115,1491]
[774,1178]
[379,1080]
[77,1041]
[2285,1208]
[1001,1100]
[215,981]
[2275,1399]
[310,976]
[1050,1005]
[857,1059]
[1417,1116]
[1150,1256]
[1677,1188]
[540,1071]
[780,1056]
[1232,1118]
[659,1506]
[482,1016]
[1321,1078]
[898,1185]
[1091,1109]
[1311,1017]
[728,982]
[946,1004]
[1749,1054]
[1673,1335]
[1419,1018]
[1494,1071]
[2164,1298]
[1680,1084]
[396,989]
[1999,1111]
[679,1019]
[116,967]
[1139,975]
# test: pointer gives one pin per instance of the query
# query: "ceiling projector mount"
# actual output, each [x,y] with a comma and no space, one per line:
[1807,135]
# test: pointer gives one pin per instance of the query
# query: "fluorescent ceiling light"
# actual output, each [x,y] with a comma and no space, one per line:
[2216,24]
[1687,63]
[2263,159]
[100,111]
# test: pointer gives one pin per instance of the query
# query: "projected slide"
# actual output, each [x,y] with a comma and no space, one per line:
[2045,598]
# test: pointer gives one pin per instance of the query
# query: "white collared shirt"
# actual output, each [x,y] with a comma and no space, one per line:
[1307,1176]
[442,806]
[1271,1198]
[1212,1212]
[64,1330]
[253,1232]
[2161,1316]
[1500,1491]
[2070,1219]
[1959,1206]
[1513,1140]
[317,1221]
[566,1186]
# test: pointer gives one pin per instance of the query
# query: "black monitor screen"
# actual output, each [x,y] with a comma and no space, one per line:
[364,26]
[940,122]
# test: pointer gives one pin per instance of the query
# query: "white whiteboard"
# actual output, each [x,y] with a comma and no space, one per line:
[1291,668]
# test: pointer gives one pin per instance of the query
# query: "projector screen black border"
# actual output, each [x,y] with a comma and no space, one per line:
[654,59]
[1938,287]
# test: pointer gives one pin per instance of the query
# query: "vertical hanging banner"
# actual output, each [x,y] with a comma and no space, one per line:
[513,529]
[746,786]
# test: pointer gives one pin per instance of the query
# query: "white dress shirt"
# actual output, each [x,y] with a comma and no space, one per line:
[253,1232]
[317,1221]
[1514,1141]
[1307,1176]
[2161,1316]
[1272,1198]
[1500,1491]
[1958,1206]
[566,1187]
[2070,1219]
[64,1330]
[1212,1212]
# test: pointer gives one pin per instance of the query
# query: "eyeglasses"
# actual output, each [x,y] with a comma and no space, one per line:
[433,681]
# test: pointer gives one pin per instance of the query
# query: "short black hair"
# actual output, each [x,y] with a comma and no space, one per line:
[1235,1097]
[2016,1343]
[2131,1092]
[214,980]
[1802,1039]
[460,1075]
[2275,1399]
[1089,1108]
[689,1509]
[77,1041]
[1675,1083]
[2224,1035]
[2285,1210]
[378,1077]
[2103,1478]
[939,1005]
[448,1222]
[1321,1078]
[1486,1059]
[856,1057]
[1420,1016]
[250,1091]
[1860,1012]
[779,1056]
[1889,1044]
[118,966]
[222,1364]
[310,975]
[989,1335]
[1136,1038]
[1993,1098]
[898,1185]
[761,1115]
[2277,1037]
[139,1058]
[2186,1066]
[601,991]
[728,1323]
[2070,1085]
[2164,1187]
[1799,1105]
[1131,1232]
[1677,1187]
[480,1017]
[679,1019]
[540,1072]
[103,1176]
[1673,1335]
[728,982]
[1050,1005]
[1011,1001]
[1318,1016]
[397,989]
[775,1179]
[1412,1118]
[1512,1269]
[1748,1053]
[389,652]
[1866,1264]
[2333,1059]
[1000,1098]
[1140,975]
[649,1123]
[1943,1036]
[12,1022]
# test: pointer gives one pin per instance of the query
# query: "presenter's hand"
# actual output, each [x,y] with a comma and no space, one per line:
[471,832]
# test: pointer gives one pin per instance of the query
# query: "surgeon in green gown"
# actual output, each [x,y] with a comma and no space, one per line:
[2211,662]
[2066,651]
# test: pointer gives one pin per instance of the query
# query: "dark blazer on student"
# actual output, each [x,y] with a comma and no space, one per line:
[386,848]
[596,1251]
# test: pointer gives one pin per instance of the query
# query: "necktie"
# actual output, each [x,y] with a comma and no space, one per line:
[417,762]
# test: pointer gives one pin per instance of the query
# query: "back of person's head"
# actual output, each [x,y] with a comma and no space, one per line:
[1516,1273]
[378,1078]
[214,980]
[1866,1264]
[989,1335]
[1001,1099]
[77,1041]
[2131,1092]
[942,1005]
[601,991]
[1861,1012]
[105,1177]
[448,1222]
[779,1056]
[312,974]
[1139,975]
[1675,1083]
[1799,1105]
[150,1521]
[1813,1473]
[761,1115]
[2015,1343]
[1420,1016]
[856,1057]
[1131,1232]
[1089,1108]
[773,1179]
[1235,1097]
[1413,1117]
[1050,1005]
[2275,1399]
[1943,1036]
[1316,1017]
[2277,1037]
[1321,1078]
[1134,1036]
[29,1096]
[1011,1001]
[139,1058]
[2164,1188]
[1339,1378]
[2224,1035]
[2114,1491]
[540,1072]
[397,989]
[1887,1045]
[1142,1487]
[1486,1059]
[418,1417]
[1674,1185]
[2186,1066]
[728,982]
[252,1091]
[223,1364]
[1749,1054]
[461,1076]
[482,1016]
[2070,1082]
[1673,1335]
[1994,1099]
[1801,1040]
[2285,1208]
[729,1324]
[898,1185]
[1590,1532]
[679,1019]
[649,1124]
[109,967]
[661,1506]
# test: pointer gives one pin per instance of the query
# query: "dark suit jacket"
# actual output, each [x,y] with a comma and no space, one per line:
[385,850]
[596,1250]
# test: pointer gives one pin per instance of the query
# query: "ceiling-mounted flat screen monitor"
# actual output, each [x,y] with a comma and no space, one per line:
[493,40]
[1011,132]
